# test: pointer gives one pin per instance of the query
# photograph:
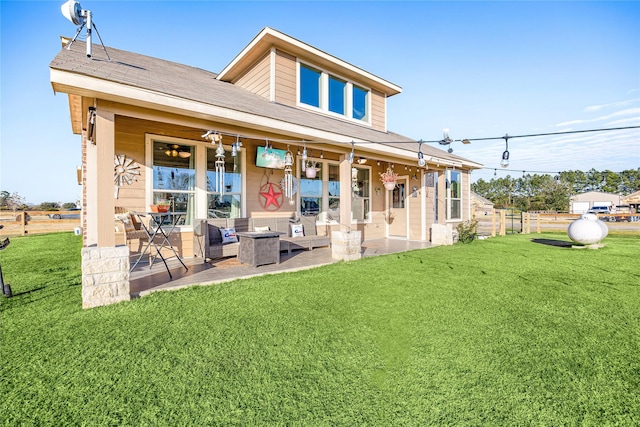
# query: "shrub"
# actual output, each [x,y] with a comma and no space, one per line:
[467,231]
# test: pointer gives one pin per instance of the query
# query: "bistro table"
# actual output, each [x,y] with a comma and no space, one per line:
[259,247]
[155,230]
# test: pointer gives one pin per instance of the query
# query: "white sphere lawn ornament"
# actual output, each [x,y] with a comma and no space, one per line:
[588,230]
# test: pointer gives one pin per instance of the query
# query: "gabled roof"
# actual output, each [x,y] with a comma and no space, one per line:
[269,38]
[149,82]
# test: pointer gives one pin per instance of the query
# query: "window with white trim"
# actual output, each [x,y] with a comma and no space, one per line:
[227,203]
[454,194]
[360,193]
[332,94]
[174,177]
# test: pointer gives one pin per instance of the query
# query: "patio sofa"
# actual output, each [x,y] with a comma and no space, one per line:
[208,242]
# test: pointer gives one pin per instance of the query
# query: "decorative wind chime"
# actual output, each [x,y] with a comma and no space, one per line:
[219,184]
[288,176]
[219,164]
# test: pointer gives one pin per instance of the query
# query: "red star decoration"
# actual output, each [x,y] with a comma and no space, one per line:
[271,196]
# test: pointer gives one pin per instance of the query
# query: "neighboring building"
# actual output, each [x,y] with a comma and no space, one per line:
[481,205]
[633,201]
[581,203]
[279,94]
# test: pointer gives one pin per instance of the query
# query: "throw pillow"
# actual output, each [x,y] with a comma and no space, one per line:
[261,228]
[297,230]
[228,235]
[125,218]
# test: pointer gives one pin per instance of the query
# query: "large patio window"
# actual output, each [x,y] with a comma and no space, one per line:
[332,94]
[311,192]
[174,177]
[360,193]
[226,204]
[454,195]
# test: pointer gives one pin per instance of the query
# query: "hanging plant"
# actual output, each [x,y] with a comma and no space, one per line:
[389,179]
[311,169]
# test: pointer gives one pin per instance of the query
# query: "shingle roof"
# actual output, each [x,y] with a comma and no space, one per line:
[195,84]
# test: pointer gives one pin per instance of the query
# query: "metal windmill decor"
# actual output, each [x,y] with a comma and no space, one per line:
[125,171]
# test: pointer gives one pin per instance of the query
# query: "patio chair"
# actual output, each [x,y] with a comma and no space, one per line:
[132,228]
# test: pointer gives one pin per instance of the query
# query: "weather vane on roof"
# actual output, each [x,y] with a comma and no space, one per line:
[78,16]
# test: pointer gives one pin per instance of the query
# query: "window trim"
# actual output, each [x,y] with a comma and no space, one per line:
[449,199]
[368,216]
[200,161]
[324,95]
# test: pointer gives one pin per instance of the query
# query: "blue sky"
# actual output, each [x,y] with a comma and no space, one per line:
[480,69]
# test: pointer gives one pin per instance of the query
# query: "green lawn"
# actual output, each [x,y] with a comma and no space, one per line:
[502,332]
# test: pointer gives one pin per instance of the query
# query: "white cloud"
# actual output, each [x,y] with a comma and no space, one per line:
[593,108]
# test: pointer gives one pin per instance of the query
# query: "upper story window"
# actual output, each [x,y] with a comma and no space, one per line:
[332,94]
[310,87]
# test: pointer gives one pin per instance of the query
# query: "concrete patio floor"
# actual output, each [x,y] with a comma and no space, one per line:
[145,280]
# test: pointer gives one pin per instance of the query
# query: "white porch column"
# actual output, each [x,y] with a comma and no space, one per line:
[345,194]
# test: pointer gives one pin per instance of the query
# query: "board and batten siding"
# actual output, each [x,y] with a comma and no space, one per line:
[257,78]
[285,78]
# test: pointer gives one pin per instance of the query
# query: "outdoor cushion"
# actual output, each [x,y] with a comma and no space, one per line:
[228,235]
[262,228]
[125,218]
[297,230]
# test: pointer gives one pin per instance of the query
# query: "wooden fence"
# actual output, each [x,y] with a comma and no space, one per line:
[38,222]
[505,221]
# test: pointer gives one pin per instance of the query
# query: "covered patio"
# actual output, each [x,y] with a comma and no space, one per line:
[145,280]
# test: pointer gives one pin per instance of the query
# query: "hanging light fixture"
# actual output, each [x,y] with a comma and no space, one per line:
[421,160]
[505,155]
[304,156]
[219,184]
[288,176]
[351,154]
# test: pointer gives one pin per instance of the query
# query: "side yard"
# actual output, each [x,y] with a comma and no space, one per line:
[515,330]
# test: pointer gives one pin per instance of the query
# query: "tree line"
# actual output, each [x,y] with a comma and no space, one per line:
[553,193]
[16,202]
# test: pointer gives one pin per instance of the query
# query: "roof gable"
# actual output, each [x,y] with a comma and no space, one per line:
[269,38]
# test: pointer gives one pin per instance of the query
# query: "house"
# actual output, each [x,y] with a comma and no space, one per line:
[581,203]
[633,201]
[480,205]
[166,125]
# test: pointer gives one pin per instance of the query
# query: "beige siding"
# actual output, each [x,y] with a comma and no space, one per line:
[257,78]
[466,195]
[415,211]
[378,113]
[256,178]
[285,79]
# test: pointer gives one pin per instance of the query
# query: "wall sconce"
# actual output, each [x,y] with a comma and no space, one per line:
[362,160]
[91,124]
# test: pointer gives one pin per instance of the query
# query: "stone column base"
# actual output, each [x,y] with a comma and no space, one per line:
[105,276]
[441,234]
[346,246]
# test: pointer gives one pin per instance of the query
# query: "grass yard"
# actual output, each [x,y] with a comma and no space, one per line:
[507,331]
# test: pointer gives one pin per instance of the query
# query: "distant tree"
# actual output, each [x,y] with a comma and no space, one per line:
[50,206]
[68,205]
[12,202]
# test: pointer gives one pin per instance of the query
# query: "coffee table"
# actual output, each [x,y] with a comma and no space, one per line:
[259,247]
